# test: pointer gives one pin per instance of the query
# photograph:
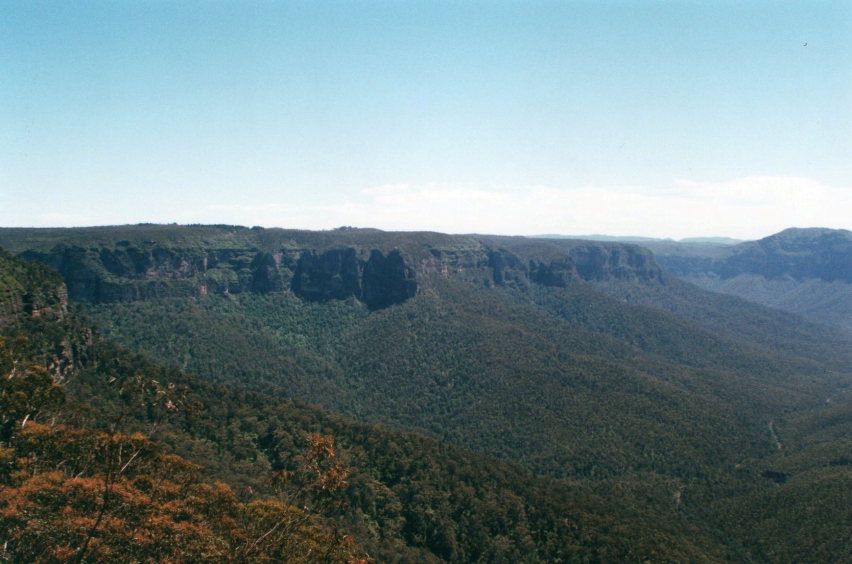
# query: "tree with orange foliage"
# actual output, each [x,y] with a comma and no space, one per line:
[80,495]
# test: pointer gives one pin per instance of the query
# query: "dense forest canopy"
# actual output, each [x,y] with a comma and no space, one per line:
[500,398]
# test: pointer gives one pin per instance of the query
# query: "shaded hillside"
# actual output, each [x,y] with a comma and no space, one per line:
[796,518]
[801,254]
[804,271]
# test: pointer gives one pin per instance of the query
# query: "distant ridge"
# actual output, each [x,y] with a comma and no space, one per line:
[638,239]
[614,238]
[806,271]
[714,240]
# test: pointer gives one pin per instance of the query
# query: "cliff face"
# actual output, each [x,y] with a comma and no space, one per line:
[379,269]
[387,280]
[332,275]
[337,274]
[127,273]
[591,262]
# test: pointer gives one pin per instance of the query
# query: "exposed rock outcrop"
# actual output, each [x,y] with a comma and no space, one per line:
[266,273]
[621,262]
[387,280]
[337,274]
[558,272]
[332,275]
[594,262]
[508,267]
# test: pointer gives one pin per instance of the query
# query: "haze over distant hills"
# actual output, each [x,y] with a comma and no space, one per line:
[801,270]
[650,240]
[804,271]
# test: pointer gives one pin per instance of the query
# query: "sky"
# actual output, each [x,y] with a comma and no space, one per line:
[650,118]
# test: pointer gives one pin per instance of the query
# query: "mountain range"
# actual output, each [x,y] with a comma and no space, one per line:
[664,422]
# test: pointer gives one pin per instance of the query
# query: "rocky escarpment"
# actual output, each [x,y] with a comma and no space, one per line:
[379,282]
[332,275]
[590,262]
[128,273]
[380,269]
[387,280]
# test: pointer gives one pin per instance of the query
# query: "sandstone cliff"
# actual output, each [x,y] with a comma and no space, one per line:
[380,269]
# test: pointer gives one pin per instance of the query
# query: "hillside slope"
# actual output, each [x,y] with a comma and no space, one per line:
[410,498]
[804,271]
[519,348]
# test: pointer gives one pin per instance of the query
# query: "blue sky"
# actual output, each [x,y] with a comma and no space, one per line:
[668,119]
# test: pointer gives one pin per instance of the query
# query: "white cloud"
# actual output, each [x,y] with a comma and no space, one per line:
[747,207]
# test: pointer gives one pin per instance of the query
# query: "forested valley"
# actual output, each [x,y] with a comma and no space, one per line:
[223,394]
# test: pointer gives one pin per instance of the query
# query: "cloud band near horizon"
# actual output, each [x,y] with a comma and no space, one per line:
[756,205]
